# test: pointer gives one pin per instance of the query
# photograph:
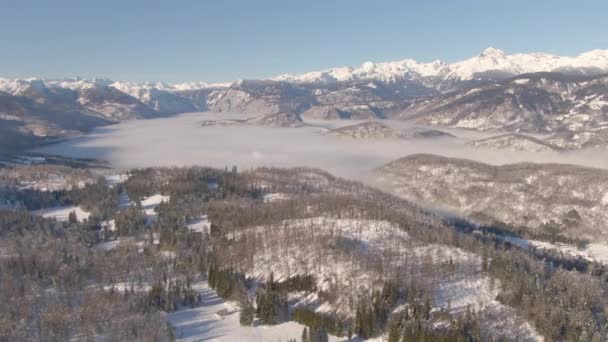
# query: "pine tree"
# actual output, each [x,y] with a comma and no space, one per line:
[246,315]
[393,332]
[427,309]
[72,219]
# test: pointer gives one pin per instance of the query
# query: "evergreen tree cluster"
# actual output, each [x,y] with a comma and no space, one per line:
[315,334]
[171,295]
[271,303]
[462,329]
[372,314]
[247,313]
[226,282]
[320,322]
[298,283]
[541,292]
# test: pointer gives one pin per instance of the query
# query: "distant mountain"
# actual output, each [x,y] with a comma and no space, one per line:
[35,110]
[491,63]
[541,102]
[535,92]
[491,91]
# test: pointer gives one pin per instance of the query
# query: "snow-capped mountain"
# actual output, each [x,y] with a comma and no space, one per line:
[493,90]
[541,102]
[491,60]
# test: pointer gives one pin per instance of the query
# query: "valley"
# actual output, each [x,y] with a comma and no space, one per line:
[397,201]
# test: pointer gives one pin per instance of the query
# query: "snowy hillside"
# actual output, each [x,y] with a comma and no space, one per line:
[543,199]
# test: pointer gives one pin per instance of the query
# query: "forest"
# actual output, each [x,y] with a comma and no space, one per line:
[339,257]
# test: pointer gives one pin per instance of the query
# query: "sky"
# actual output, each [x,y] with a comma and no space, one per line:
[225,40]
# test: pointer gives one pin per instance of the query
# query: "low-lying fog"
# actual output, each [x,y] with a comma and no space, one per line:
[180,141]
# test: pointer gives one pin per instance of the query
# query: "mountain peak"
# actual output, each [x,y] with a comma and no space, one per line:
[492,52]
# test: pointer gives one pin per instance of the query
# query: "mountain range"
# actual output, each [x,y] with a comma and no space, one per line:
[534,92]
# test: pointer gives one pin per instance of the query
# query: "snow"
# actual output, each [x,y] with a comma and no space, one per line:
[121,287]
[17,86]
[203,323]
[491,59]
[141,90]
[596,251]
[62,213]
[592,252]
[276,196]
[201,225]
[149,205]
[109,225]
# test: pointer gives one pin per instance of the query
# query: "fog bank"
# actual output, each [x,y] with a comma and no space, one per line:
[181,141]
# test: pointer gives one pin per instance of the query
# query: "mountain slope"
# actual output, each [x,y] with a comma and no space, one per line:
[542,199]
[543,102]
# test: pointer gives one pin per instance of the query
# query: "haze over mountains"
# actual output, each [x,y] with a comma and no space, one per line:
[536,93]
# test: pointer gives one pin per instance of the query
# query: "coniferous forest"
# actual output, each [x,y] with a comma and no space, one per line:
[340,258]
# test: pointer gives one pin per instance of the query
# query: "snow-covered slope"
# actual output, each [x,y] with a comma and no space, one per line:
[203,323]
[540,102]
[544,199]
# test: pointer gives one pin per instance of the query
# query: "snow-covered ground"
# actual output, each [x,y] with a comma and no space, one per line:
[149,205]
[203,323]
[62,213]
[109,225]
[275,196]
[201,225]
[128,286]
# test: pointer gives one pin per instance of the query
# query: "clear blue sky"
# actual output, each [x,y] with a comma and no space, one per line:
[223,40]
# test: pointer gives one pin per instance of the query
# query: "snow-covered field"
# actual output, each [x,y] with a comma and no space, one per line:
[62,213]
[203,323]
